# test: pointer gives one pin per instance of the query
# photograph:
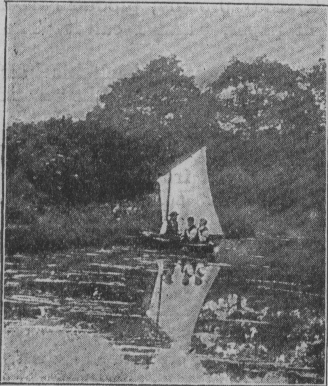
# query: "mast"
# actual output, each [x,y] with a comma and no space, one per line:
[168,197]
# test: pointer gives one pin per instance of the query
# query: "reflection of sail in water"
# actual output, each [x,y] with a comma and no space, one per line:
[186,190]
[174,305]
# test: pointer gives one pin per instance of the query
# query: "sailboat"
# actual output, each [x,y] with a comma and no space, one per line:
[185,189]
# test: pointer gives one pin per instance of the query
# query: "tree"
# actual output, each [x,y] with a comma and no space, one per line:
[158,104]
[79,162]
[277,116]
[262,95]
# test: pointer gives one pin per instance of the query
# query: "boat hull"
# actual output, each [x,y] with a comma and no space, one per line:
[173,243]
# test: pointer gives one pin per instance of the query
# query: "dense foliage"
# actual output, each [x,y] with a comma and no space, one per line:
[75,163]
[263,124]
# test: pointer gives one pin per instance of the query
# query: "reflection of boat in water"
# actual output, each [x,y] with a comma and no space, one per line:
[175,304]
[185,189]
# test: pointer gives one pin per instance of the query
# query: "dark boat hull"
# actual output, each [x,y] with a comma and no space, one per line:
[174,243]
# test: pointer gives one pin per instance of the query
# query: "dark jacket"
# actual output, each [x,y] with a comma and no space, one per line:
[172,227]
[190,234]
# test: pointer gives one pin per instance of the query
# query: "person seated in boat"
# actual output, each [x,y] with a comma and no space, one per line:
[203,232]
[169,230]
[190,234]
[172,228]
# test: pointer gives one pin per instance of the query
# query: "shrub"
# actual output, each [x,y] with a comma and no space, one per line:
[237,223]
[233,185]
[20,212]
[91,225]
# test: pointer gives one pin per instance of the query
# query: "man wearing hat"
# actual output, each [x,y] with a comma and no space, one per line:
[172,225]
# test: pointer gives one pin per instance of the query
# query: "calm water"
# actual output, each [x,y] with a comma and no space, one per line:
[262,309]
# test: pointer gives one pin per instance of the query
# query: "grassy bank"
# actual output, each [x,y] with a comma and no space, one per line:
[92,225]
[30,230]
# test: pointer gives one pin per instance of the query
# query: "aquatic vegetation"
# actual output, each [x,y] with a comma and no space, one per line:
[285,338]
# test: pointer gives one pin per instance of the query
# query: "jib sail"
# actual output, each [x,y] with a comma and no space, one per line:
[186,190]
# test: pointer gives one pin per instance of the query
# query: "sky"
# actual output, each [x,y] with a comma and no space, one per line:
[61,57]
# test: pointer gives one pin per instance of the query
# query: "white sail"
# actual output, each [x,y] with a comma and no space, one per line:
[186,190]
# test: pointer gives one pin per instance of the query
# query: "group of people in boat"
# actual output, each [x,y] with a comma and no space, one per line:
[192,234]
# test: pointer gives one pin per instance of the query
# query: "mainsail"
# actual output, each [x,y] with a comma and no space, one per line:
[186,190]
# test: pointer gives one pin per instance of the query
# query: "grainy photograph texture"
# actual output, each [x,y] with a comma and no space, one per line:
[165,186]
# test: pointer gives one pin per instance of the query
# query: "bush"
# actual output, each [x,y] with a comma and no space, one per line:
[233,185]
[237,223]
[20,212]
[274,188]
[92,225]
